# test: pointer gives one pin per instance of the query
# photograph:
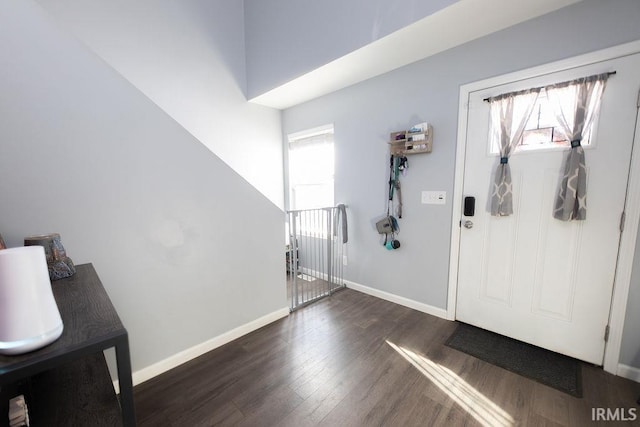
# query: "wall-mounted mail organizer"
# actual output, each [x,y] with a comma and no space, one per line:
[418,139]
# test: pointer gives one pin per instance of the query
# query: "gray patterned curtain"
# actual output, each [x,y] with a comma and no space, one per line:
[576,103]
[509,115]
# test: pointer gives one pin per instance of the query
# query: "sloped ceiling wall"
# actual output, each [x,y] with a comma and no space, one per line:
[187,57]
[301,50]
[288,38]
[170,228]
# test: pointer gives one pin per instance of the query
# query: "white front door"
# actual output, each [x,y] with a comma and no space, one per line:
[532,277]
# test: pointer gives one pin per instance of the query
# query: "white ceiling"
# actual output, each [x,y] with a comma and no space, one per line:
[459,23]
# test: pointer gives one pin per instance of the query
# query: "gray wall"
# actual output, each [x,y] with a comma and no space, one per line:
[288,38]
[188,57]
[170,228]
[364,114]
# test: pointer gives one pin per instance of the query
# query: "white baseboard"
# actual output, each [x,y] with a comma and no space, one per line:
[629,372]
[425,308]
[184,356]
[314,273]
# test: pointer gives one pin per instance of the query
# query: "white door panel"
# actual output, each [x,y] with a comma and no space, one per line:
[530,276]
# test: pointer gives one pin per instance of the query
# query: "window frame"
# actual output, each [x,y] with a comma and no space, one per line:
[300,137]
[520,149]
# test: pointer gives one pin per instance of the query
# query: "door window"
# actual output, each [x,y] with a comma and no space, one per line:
[541,131]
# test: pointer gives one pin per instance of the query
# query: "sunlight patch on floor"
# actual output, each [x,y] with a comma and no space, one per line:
[471,400]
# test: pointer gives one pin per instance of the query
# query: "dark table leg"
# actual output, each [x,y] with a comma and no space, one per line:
[125,382]
[4,406]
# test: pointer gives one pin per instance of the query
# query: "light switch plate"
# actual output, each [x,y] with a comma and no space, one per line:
[434,197]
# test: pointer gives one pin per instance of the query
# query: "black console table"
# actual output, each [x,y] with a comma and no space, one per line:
[67,382]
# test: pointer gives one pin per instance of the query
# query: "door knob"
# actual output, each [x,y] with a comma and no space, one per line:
[468,224]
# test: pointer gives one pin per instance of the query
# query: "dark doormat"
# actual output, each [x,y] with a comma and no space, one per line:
[555,370]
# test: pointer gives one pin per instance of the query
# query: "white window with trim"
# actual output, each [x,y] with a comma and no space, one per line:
[311,168]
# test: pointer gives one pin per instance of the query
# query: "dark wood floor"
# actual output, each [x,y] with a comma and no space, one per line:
[355,360]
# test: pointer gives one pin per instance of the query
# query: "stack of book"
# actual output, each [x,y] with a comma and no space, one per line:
[18,412]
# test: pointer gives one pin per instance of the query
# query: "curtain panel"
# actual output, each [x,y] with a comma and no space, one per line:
[509,115]
[576,104]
